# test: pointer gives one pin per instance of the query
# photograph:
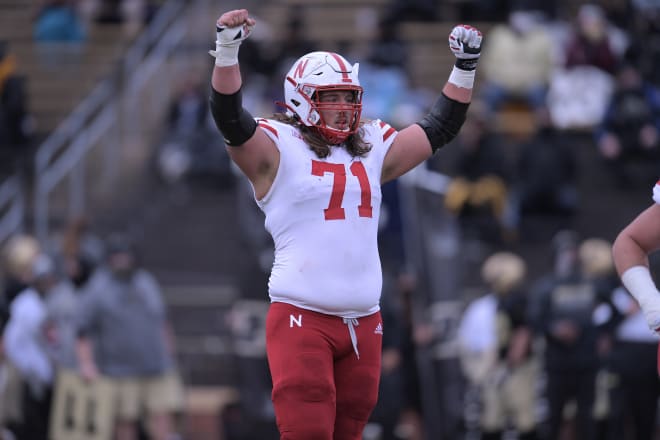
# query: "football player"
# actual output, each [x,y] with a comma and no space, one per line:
[317,171]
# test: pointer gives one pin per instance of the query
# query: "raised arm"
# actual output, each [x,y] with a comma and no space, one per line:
[416,143]
[249,147]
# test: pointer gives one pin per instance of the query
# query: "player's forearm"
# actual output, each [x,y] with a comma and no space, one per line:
[226,80]
[460,94]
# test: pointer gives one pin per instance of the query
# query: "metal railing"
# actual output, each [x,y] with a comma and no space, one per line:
[101,119]
[104,118]
[12,207]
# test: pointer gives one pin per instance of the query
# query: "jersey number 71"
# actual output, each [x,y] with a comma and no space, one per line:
[334,211]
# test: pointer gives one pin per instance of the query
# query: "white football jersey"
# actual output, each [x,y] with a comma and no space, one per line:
[323,216]
[656,192]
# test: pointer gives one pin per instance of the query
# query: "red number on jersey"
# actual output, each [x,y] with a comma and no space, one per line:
[365,206]
[334,211]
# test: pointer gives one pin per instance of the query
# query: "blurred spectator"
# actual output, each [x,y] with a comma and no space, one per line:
[479,190]
[58,21]
[630,131]
[496,344]
[590,43]
[597,266]
[27,341]
[578,97]
[547,171]
[60,326]
[18,255]
[579,91]
[124,335]
[634,397]
[645,36]
[10,387]
[15,121]
[517,61]
[189,147]
[573,314]
[80,251]
[188,110]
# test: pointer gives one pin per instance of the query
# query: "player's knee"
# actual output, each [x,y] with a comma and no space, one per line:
[304,390]
[358,403]
[305,409]
[362,406]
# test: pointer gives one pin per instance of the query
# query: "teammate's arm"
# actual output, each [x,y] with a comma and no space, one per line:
[630,251]
[249,147]
[419,141]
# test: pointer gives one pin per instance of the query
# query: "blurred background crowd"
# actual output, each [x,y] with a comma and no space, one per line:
[134,262]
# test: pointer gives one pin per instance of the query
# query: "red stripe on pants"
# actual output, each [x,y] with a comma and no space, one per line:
[321,390]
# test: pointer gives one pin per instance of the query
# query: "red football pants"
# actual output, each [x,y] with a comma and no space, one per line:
[321,390]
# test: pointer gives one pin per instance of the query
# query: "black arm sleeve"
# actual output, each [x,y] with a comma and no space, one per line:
[444,121]
[235,123]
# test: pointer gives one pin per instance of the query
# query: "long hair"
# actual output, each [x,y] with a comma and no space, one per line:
[355,144]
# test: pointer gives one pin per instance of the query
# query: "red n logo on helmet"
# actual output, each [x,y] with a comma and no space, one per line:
[300,69]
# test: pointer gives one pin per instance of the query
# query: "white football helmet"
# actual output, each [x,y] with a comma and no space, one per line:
[317,72]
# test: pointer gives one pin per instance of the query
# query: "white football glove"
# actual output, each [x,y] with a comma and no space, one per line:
[228,39]
[465,43]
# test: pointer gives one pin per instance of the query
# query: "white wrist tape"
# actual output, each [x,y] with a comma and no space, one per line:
[462,78]
[639,283]
[225,55]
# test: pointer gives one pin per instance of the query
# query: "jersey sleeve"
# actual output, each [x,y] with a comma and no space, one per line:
[270,128]
[380,135]
[387,133]
[656,192]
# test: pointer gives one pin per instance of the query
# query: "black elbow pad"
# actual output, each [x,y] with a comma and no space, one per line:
[236,124]
[443,122]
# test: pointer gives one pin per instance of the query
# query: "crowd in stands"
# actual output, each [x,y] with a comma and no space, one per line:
[578,330]
[66,21]
[16,123]
[83,323]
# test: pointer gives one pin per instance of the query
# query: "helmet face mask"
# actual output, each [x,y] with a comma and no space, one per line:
[304,86]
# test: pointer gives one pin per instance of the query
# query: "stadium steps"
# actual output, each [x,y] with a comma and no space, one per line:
[59,75]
